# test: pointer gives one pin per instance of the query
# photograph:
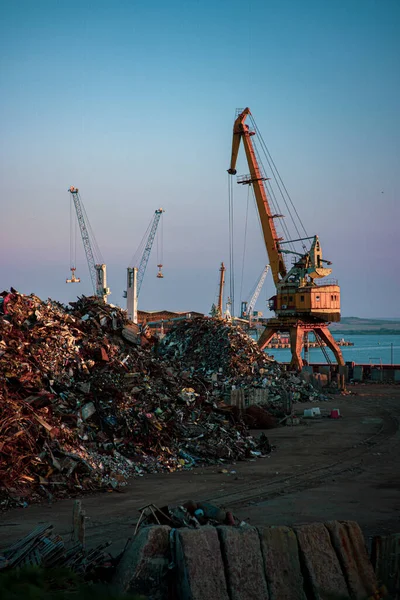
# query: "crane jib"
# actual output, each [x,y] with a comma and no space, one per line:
[241,132]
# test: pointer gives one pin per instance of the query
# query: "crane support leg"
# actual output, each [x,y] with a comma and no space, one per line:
[330,341]
[296,330]
[296,345]
[266,337]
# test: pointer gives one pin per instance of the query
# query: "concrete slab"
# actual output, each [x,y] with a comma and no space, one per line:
[143,568]
[244,565]
[358,373]
[348,542]
[282,563]
[324,573]
[376,374]
[200,570]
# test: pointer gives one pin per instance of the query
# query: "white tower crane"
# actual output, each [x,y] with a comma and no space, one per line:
[247,307]
[135,274]
[97,269]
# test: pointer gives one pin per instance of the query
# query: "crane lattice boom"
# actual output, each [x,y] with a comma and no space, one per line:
[149,244]
[254,298]
[97,271]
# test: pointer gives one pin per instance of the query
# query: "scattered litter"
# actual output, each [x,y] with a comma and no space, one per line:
[190,514]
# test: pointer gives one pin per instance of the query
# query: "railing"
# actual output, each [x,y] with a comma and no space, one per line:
[249,179]
[326,281]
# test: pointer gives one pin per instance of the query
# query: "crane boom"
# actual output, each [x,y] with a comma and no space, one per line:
[148,247]
[241,132]
[135,275]
[97,271]
[254,298]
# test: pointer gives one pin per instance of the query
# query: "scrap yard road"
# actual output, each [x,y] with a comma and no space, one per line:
[323,469]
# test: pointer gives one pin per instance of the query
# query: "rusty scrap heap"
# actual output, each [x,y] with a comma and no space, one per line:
[82,408]
[210,346]
[227,358]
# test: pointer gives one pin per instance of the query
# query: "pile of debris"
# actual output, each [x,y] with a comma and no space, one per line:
[226,356]
[210,346]
[43,548]
[82,408]
[190,514]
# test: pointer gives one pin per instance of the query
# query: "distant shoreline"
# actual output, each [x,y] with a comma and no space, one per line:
[344,332]
[361,326]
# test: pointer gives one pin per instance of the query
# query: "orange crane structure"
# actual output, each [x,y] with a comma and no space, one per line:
[301,304]
[221,290]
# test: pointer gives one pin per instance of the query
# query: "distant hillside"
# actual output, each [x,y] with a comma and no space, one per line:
[356,325]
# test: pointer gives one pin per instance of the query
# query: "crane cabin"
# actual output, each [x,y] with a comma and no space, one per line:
[320,302]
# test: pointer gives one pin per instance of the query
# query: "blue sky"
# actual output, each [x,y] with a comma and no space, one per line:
[134,102]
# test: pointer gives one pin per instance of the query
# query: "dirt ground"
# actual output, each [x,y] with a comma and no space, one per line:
[323,469]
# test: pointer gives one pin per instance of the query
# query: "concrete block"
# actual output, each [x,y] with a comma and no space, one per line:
[143,568]
[348,542]
[201,574]
[376,374]
[244,565]
[324,573]
[282,563]
[358,373]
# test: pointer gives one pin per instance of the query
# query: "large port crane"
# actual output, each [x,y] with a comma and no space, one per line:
[97,269]
[135,275]
[301,304]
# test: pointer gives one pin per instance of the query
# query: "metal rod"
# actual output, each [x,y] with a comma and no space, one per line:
[298,240]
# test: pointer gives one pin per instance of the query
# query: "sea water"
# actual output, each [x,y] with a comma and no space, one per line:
[367,349]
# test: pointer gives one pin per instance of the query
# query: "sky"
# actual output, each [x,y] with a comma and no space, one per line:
[133,103]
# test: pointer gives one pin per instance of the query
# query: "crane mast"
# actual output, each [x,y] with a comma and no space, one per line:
[221,290]
[98,271]
[300,303]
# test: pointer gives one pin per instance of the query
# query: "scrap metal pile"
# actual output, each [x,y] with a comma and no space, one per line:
[210,346]
[225,355]
[82,408]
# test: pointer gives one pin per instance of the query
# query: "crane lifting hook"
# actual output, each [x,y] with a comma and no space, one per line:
[73,278]
[160,274]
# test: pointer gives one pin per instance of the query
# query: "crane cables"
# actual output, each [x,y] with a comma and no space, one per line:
[231,245]
[282,190]
[72,234]
[135,260]
[95,247]
[160,244]
[244,242]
